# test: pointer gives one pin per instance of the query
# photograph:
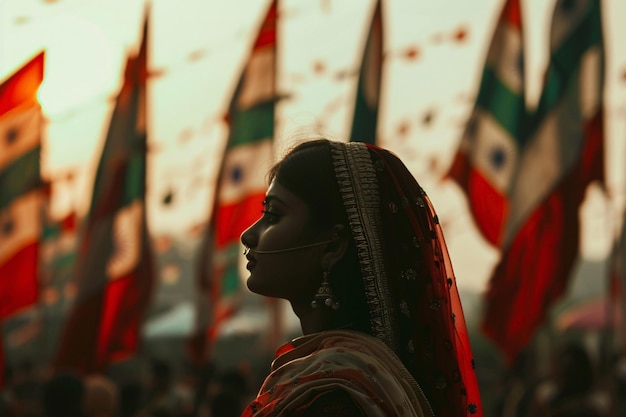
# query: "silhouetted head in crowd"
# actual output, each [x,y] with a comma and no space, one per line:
[63,396]
[226,404]
[574,370]
[101,397]
[161,375]
[131,399]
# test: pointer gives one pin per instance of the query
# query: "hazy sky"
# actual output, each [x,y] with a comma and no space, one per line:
[434,56]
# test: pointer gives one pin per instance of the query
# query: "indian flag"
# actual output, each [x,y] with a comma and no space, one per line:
[241,183]
[365,119]
[248,155]
[487,157]
[240,187]
[562,154]
[22,195]
[115,268]
[568,111]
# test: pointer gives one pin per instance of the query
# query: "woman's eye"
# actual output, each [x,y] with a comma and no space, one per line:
[270,216]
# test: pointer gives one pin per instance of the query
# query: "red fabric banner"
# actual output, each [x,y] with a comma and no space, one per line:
[488,205]
[534,270]
[19,286]
[234,218]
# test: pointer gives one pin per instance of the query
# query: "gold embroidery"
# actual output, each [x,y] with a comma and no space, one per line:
[358,185]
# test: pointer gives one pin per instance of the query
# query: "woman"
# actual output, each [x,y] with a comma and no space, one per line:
[351,240]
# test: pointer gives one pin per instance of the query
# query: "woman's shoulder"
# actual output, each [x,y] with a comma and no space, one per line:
[346,369]
[336,403]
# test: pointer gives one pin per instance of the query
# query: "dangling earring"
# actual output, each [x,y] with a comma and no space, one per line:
[324,295]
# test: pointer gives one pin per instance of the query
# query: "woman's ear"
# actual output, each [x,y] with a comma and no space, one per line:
[337,248]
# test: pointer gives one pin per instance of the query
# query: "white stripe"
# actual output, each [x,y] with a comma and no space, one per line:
[20,224]
[590,81]
[552,152]
[127,235]
[504,57]
[563,24]
[490,138]
[245,170]
[259,78]
[555,148]
[27,126]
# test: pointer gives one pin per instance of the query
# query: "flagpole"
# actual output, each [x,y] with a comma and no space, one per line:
[608,332]
[621,277]
[620,299]
[612,338]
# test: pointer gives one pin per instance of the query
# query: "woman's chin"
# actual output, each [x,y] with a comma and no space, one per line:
[261,288]
[250,284]
[255,286]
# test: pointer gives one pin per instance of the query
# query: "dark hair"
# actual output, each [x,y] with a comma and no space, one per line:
[307,171]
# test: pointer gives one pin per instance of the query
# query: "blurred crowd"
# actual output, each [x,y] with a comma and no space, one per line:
[575,385]
[164,392]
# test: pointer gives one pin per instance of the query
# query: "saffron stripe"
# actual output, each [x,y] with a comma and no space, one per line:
[512,14]
[21,88]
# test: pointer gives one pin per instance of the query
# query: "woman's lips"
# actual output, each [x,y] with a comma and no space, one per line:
[251,262]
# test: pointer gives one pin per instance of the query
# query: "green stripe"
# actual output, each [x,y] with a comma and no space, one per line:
[507,107]
[364,121]
[230,283]
[122,140]
[50,231]
[20,177]
[227,255]
[135,175]
[365,118]
[252,124]
[228,258]
[65,260]
[565,59]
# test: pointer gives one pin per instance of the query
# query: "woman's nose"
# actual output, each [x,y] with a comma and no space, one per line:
[249,237]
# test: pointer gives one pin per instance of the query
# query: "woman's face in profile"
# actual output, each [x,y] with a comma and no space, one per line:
[286,223]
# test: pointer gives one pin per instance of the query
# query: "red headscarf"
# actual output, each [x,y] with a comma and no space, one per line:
[410,286]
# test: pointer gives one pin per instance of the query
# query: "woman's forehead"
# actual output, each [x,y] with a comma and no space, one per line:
[276,192]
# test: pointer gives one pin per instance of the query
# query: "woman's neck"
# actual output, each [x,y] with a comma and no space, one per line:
[312,320]
[315,320]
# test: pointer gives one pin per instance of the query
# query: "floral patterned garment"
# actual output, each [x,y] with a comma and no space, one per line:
[336,403]
[312,366]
